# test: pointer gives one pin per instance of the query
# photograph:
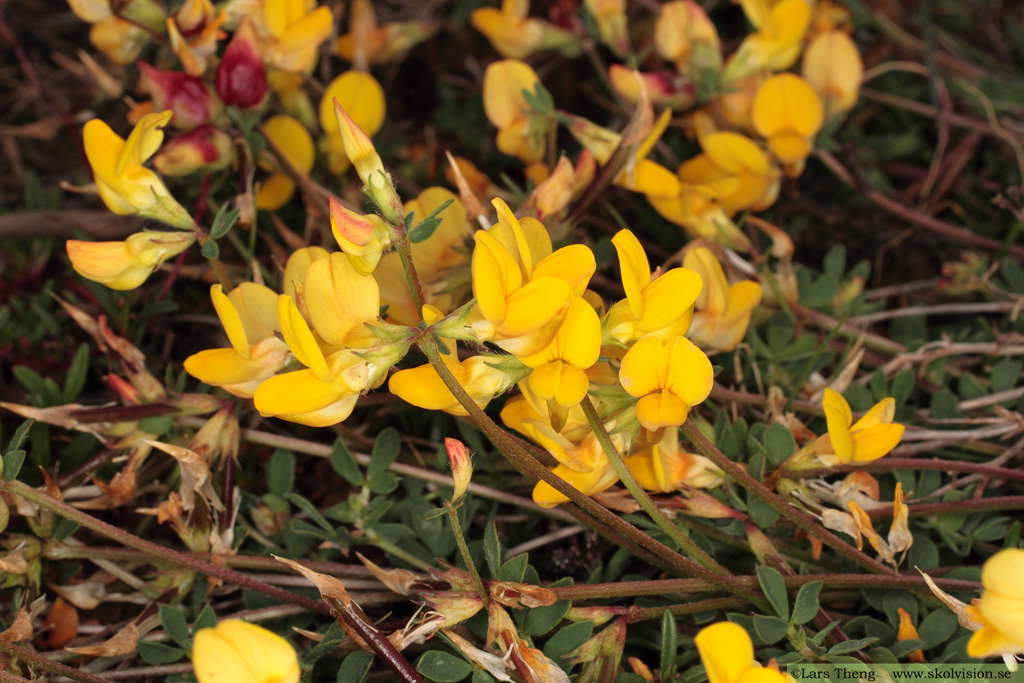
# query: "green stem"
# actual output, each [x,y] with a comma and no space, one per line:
[532,468]
[154,551]
[641,497]
[39,661]
[412,279]
[775,502]
[460,540]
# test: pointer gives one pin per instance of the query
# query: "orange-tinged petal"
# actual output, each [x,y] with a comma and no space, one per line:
[726,650]
[635,269]
[300,338]
[839,418]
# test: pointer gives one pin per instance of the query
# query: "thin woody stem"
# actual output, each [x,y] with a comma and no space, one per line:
[153,550]
[775,502]
[412,278]
[460,540]
[39,661]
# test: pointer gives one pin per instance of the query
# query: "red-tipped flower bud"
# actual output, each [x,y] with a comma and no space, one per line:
[186,96]
[462,468]
[241,76]
[204,149]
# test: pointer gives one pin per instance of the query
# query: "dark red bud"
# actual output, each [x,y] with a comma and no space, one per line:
[241,76]
[187,96]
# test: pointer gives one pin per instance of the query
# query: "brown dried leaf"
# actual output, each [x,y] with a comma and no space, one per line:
[397,580]
[60,416]
[13,563]
[521,594]
[494,664]
[88,595]
[122,643]
[195,476]
[959,608]
[20,630]
[469,200]
[328,586]
[837,520]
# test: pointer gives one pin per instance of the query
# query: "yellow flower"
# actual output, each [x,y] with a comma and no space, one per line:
[722,310]
[249,317]
[339,301]
[125,186]
[326,392]
[422,386]
[834,68]
[522,289]
[610,17]
[789,114]
[294,142]
[869,438]
[362,98]
[1001,608]
[515,35]
[362,238]
[907,631]
[442,262]
[297,266]
[558,371]
[527,414]
[375,44]
[585,466]
[521,132]
[667,378]
[296,27]
[658,306]
[696,209]
[735,170]
[361,153]
[776,44]
[201,23]
[236,651]
[664,468]
[127,264]
[685,35]
[663,88]
[121,41]
[728,655]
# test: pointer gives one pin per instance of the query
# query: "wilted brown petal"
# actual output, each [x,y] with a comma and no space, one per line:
[397,580]
[123,643]
[20,630]
[195,476]
[328,586]
[13,563]
[84,596]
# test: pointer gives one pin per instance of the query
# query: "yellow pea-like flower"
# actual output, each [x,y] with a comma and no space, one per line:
[788,113]
[249,317]
[610,17]
[685,35]
[834,68]
[362,98]
[558,371]
[370,43]
[778,41]
[124,184]
[664,467]
[293,141]
[236,651]
[527,413]
[339,300]
[585,466]
[658,306]
[722,311]
[1001,608]
[668,379]
[297,28]
[728,655]
[514,34]
[871,437]
[362,238]
[521,133]
[126,264]
[121,41]
[297,266]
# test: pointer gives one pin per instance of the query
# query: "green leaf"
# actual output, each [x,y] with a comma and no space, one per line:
[344,463]
[848,646]
[158,654]
[224,221]
[481,676]
[210,250]
[762,514]
[770,629]
[902,385]
[29,379]
[567,640]
[540,620]
[492,548]
[333,637]
[311,510]
[281,472]
[806,604]
[385,450]
[774,588]
[13,461]
[426,227]
[383,482]
[669,645]
[20,435]
[354,668]
[77,374]
[514,569]
[779,443]
[435,513]
[174,622]
[442,667]
[206,619]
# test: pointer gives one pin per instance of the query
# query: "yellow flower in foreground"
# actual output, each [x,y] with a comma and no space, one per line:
[658,306]
[722,310]
[1001,608]
[423,387]
[513,34]
[362,238]
[125,186]
[296,27]
[664,468]
[776,44]
[869,438]
[585,466]
[789,114]
[834,68]
[239,652]
[558,371]
[521,132]
[127,264]
[294,142]
[339,301]
[249,317]
[361,96]
[728,655]
[667,378]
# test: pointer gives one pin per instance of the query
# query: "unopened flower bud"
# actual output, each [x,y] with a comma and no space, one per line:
[123,388]
[241,76]
[204,149]
[127,264]
[376,181]
[362,238]
[462,467]
[187,96]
